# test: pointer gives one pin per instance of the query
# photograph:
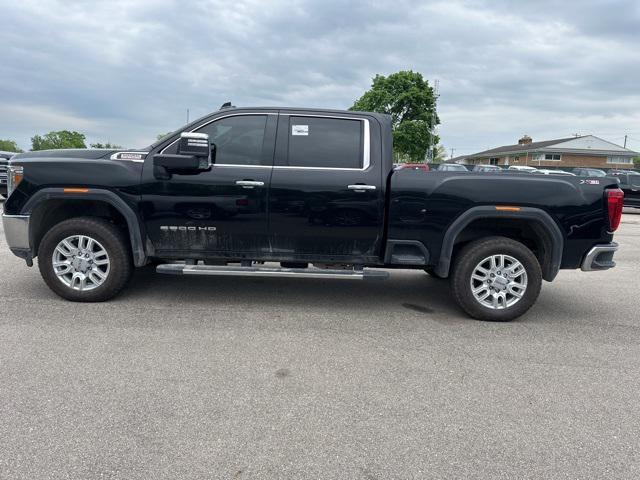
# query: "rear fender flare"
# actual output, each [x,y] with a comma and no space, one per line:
[527,213]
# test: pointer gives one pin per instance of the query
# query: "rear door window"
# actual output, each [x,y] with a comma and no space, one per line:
[325,142]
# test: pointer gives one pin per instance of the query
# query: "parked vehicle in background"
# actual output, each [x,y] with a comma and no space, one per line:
[547,171]
[589,172]
[4,162]
[630,185]
[414,166]
[487,168]
[623,172]
[452,167]
[521,168]
[300,187]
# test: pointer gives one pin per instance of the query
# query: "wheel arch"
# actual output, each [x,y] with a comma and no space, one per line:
[537,224]
[53,205]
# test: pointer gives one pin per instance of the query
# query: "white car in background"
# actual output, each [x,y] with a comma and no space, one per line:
[546,171]
[522,168]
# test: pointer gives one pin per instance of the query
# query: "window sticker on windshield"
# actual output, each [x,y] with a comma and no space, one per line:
[300,130]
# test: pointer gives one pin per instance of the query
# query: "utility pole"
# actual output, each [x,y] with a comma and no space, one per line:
[452,150]
[436,95]
[187,115]
[625,141]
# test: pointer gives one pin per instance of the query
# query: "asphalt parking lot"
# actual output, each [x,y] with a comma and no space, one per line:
[276,378]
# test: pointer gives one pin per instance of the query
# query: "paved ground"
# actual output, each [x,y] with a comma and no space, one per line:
[251,378]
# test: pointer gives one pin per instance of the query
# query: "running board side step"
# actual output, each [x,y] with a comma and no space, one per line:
[213,270]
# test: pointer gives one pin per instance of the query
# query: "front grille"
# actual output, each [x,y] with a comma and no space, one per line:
[3,174]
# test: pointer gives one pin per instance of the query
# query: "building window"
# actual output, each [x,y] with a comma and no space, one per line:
[494,161]
[549,157]
[617,159]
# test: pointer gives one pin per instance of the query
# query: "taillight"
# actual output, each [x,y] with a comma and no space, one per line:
[615,200]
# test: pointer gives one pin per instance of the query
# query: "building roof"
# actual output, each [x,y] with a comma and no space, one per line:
[579,144]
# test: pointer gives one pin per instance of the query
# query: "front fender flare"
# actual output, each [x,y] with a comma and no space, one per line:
[133,221]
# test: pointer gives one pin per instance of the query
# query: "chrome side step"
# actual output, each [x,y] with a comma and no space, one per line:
[260,271]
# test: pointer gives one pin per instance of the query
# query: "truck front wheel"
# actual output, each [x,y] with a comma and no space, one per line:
[85,259]
[496,279]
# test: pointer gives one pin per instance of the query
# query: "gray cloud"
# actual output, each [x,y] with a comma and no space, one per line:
[126,70]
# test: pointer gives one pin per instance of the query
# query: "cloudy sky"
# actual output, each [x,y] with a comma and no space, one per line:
[125,70]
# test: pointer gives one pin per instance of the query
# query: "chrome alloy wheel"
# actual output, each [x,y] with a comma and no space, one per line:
[81,263]
[498,282]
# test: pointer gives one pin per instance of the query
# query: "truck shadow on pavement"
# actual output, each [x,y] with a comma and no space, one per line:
[414,291]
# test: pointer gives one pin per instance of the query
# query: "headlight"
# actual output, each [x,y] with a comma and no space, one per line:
[14,177]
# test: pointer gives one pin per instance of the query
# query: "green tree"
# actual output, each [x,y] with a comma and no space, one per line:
[105,145]
[636,162]
[9,146]
[411,102]
[162,135]
[57,140]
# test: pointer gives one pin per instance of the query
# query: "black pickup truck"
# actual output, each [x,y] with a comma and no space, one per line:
[307,193]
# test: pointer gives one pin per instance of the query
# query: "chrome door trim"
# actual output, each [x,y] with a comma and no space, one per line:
[366,151]
[366,160]
[236,114]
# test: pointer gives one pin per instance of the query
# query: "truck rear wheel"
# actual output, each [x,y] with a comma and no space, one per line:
[496,279]
[85,259]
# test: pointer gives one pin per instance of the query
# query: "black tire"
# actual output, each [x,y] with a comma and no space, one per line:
[467,260]
[114,242]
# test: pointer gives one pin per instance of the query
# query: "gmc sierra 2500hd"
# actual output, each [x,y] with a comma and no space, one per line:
[312,189]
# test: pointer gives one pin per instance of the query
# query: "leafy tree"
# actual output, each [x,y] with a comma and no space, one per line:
[411,102]
[636,162]
[162,135]
[105,145]
[9,146]
[57,140]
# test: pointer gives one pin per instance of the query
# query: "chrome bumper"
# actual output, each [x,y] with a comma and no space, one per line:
[600,257]
[16,231]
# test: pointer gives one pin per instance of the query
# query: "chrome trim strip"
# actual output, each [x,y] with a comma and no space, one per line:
[239,166]
[587,263]
[237,114]
[366,151]
[361,188]
[16,230]
[210,270]
[194,135]
[366,161]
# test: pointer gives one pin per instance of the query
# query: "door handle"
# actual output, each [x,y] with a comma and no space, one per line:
[249,183]
[361,188]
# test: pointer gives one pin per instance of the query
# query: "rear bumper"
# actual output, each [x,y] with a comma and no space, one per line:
[16,231]
[600,257]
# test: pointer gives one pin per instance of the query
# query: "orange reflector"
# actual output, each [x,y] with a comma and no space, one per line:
[508,209]
[75,190]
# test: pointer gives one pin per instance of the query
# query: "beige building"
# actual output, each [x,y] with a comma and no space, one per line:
[584,151]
